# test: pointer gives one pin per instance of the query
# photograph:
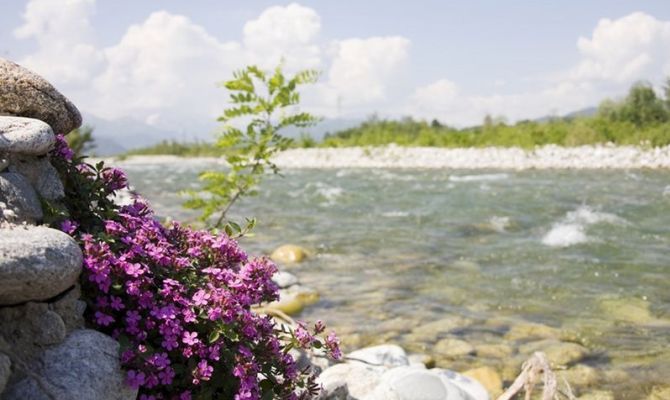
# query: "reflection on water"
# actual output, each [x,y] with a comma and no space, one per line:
[478,255]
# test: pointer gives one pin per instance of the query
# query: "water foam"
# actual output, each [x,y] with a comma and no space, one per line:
[564,235]
[571,229]
[395,214]
[478,178]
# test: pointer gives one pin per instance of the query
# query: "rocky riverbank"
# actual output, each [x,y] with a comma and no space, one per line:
[46,352]
[546,157]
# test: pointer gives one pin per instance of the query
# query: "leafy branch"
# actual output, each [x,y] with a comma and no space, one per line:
[262,105]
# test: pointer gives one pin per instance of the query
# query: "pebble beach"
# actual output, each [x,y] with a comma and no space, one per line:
[545,157]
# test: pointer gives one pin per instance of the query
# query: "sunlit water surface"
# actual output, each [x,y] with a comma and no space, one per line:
[395,249]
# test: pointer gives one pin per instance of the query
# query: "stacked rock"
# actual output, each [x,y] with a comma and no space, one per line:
[45,351]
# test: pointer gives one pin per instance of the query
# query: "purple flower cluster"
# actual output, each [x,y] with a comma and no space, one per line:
[180,303]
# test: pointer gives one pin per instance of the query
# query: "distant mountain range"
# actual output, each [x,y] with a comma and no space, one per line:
[117,136]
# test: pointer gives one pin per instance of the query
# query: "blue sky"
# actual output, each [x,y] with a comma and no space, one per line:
[157,61]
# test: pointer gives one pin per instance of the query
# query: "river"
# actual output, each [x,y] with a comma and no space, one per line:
[584,252]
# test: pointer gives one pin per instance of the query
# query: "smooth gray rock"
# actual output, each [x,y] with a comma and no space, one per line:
[25,135]
[19,200]
[26,94]
[36,263]
[40,173]
[5,371]
[387,355]
[355,379]
[284,279]
[407,383]
[85,366]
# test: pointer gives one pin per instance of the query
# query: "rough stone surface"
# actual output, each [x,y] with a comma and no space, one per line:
[36,263]
[40,173]
[387,355]
[70,309]
[31,326]
[26,94]
[5,371]
[20,202]
[25,135]
[85,366]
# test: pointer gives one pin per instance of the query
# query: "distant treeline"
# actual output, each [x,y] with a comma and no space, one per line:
[641,118]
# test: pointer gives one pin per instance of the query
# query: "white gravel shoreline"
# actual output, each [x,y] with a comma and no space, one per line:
[546,157]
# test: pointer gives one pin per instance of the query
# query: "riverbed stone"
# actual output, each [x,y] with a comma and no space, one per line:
[488,377]
[426,360]
[40,173]
[529,330]
[294,299]
[387,355]
[85,366]
[5,371]
[580,375]
[435,329]
[37,263]
[284,279]
[289,254]
[631,309]
[19,199]
[558,353]
[26,94]
[597,395]
[453,348]
[25,135]
[659,393]
[499,351]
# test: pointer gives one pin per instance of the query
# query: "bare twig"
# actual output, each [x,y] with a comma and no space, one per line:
[531,371]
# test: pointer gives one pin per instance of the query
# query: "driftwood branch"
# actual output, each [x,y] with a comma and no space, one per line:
[535,367]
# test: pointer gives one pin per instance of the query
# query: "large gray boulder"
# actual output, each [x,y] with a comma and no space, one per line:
[85,366]
[5,371]
[25,135]
[19,200]
[40,173]
[37,263]
[26,94]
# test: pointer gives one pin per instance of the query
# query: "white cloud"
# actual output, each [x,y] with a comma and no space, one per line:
[164,70]
[284,32]
[624,49]
[618,53]
[61,30]
[164,67]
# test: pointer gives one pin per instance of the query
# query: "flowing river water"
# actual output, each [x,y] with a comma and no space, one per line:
[502,260]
